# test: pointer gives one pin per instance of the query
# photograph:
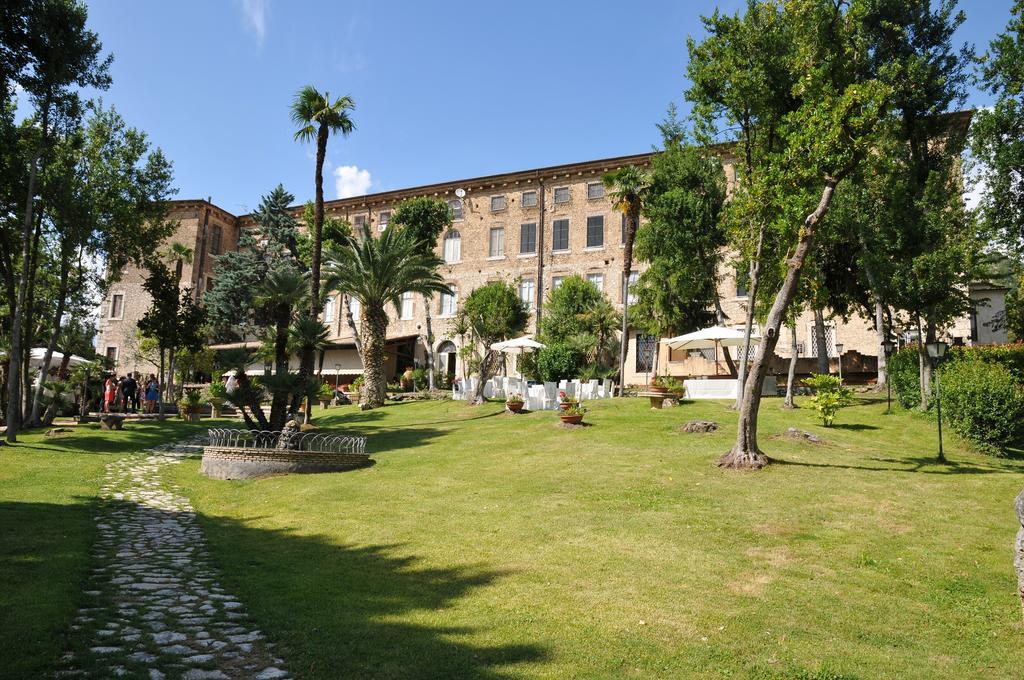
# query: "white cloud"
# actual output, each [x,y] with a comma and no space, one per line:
[254,16]
[350,181]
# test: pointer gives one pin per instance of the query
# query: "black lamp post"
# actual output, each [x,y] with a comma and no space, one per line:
[337,373]
[937,353]
[888,346]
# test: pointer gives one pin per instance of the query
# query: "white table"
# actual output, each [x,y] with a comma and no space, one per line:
[702,388]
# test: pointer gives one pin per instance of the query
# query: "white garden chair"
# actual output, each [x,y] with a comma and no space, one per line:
[550,395]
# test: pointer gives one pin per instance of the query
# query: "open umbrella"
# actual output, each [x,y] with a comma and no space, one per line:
[517,346]
[707,338]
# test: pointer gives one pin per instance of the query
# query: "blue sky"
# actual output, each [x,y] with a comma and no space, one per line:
[443,90]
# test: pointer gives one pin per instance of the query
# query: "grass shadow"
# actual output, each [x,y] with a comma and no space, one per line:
[853,427]
[927,465]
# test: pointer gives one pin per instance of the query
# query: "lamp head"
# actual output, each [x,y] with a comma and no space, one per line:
[936,350]
[888,346]
[839,348]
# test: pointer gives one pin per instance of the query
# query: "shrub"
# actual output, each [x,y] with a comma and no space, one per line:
[984,402]
[419,378]
[671,383]
[217,390]
[357,383]
[904,372]
[559,361]
[829,396]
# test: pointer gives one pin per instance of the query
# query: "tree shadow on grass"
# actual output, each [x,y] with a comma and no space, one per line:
[359,611]
[927,465]
[853,427]
[135,438]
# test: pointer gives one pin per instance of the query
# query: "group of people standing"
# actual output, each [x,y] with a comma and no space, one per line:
[124,393]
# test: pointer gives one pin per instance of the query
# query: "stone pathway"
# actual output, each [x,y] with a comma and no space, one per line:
[154,608]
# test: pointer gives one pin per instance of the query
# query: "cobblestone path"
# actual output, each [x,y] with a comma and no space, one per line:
[154,608]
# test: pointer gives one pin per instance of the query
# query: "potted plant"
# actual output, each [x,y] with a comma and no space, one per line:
[515,402]
[564,402]
[663,384]
[218,393]
[572,415]
[407,381]
[190,404]
[325,395]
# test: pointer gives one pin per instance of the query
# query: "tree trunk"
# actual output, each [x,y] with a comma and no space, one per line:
[632,218]
[821,340]
[62,294]
[374,332]
[279,396]
[883,366]
[29,324]
[487,366]
[792,370]
[430,343]
[160,387]
[924,364]
[14,357]
[353,329]
[170,375]
[748,327]
[745,452]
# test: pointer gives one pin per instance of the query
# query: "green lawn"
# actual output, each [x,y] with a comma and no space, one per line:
[489,546]
[48,488]
[485,545]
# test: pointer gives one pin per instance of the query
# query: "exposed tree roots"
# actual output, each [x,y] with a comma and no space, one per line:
[743,460]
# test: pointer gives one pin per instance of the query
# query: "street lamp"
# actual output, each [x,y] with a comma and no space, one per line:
[839,352]
[337,372]
[888,346]
[937,353]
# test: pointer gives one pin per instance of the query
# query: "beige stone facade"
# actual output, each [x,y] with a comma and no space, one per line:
[532,228]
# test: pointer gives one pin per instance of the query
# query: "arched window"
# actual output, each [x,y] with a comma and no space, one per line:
[446,347]
[452,246]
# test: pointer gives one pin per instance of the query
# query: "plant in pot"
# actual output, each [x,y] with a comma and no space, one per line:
[324,395]
[515,402]
[218,394]
[566,402]
[573,415]
[190,404]
[663,384]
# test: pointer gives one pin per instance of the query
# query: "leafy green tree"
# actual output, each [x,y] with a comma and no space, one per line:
[427,218]
[317,118]
[378,271]
[579,315]
[627,189]
[491,313]
[56,54]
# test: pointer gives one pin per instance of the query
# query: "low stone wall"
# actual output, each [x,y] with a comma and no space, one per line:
[247,463]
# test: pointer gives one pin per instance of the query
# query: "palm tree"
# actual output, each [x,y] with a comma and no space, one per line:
[378,271]
[310,331]
[627,188]
[318,117]
[282,292]
[180,255]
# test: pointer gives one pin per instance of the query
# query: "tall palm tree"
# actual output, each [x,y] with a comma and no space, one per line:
[627,189]
[318,117]
[378,271]
[310,331]
[180,255]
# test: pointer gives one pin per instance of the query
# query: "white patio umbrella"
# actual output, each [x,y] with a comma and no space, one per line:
[39,353]
[517,346]
[707,338]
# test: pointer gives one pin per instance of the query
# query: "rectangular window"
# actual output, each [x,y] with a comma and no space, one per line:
[528,238]
[529,199]
[597,280]
[329,310]
[527,293]
[496,247]
[741,283]
[452,246]
[556,281]
[215,236]
[561,194]
[456,206]
[355,307]
[358,222]
[112,354]
[449,303]
[209,284]
[560,235]
[497,203]
[595,231]
[117,306]
[595,190]
[406,306]
[646,345]
[633,276]
[383,219]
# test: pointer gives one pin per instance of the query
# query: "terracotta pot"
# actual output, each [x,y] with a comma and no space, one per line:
[514,406]
[572,420]
[658,389]
[566,405]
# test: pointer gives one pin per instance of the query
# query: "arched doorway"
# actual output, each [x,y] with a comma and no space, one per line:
[447,355]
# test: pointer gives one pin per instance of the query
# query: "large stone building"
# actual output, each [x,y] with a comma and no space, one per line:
[533,228]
